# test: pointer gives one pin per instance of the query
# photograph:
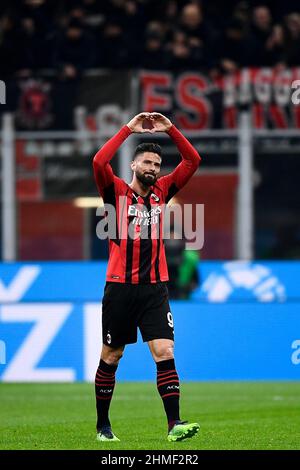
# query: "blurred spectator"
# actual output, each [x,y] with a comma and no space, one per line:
[34,53]
[119,33]
[114,45]
[264,41]
[179,53]
[153,55]
[242,14]
[192,22]
[182,267]
[10,45]
[74,50]
[291,55]
[189,42]
[41,12]
[93,14]
[170,12]
[231,47]
[188,277]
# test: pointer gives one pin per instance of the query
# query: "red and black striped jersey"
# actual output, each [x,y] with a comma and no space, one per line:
[139,257]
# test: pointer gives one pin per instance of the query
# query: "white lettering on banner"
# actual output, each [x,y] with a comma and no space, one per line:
[295,358]
[24,278]
[48,321]
[296,94]
[92,339]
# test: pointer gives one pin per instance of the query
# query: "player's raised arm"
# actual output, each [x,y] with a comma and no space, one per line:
[102,169]
[190,157]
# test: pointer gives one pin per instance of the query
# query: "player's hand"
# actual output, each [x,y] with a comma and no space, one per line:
[141,123]
[160,122]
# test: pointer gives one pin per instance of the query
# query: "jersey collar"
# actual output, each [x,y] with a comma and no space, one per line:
[137,195]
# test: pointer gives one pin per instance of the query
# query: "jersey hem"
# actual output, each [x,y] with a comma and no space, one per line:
[119,281]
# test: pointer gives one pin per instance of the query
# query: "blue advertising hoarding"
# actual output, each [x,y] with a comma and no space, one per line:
[243,323]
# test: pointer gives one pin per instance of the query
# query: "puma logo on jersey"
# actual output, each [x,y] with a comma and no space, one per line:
[133,211]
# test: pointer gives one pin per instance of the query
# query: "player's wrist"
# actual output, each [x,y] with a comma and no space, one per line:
[171,128]
[128,128]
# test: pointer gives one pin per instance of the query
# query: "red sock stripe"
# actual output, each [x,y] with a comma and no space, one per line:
[105,373]
[171,394]
[100,384]
[160,374]
[175,382]
[104,398]
[105,377]
[105,384]
[100,379]
[167,377]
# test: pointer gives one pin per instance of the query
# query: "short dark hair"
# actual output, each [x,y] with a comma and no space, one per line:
[147,147]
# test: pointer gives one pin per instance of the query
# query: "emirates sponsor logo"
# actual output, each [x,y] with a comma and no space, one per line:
[144,217]
[133,211]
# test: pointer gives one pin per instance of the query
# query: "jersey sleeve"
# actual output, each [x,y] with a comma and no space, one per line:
[103,172]
[173,182]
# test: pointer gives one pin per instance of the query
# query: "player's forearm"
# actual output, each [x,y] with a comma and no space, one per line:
[189,154]
[106,153]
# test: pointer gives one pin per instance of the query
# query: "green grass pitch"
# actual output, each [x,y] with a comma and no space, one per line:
[232,415]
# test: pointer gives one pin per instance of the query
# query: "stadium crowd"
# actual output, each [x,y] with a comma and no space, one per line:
[73,35]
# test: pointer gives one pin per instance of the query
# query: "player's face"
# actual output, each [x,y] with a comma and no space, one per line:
[147,167]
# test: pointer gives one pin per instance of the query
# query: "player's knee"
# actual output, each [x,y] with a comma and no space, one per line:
[164,353]
[112,357]
[115,357]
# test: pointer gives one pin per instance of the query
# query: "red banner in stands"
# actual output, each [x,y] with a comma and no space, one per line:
[198,100]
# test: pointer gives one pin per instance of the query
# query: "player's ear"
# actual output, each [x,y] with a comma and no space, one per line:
[133,164]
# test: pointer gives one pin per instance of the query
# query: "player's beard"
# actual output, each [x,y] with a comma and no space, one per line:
[146,179]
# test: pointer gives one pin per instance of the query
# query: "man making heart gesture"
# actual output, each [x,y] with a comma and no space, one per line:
[136,294]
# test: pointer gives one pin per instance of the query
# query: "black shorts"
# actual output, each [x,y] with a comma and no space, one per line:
[127,307]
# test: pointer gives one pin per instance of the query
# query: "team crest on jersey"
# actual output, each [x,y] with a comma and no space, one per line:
[156,198]
[108,338]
